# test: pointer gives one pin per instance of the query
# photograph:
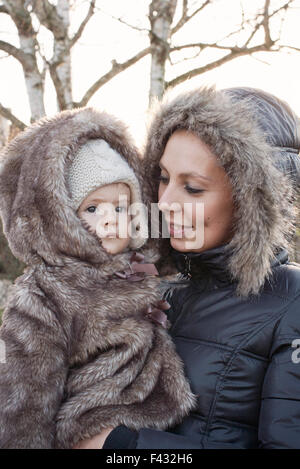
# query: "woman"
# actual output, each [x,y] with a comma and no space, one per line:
[236,318]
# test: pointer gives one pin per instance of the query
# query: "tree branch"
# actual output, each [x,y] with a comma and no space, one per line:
[15,52]
[185,59]
[265,21]
[80,30]
[5,112]
[290,47]
[236,52]
[285,6]
[21,17]
[136,28]
[203,45]
[185,17]
[266,25]
[115,70]
[48,16]
[268,42]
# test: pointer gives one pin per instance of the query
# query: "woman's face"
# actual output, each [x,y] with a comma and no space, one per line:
[194,194]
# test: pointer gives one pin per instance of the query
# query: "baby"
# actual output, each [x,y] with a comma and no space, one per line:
[85,344]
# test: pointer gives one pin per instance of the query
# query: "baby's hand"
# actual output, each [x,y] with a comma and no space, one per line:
[96,442]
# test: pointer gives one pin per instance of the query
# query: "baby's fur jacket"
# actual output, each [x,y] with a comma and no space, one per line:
[81,355]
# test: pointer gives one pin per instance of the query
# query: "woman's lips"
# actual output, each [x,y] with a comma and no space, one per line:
[179,231]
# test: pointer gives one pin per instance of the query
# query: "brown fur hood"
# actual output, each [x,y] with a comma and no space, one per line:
[234,124]
[38,219]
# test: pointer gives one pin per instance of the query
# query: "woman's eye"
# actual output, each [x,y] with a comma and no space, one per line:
[191,190]
[163,179]
[91,209]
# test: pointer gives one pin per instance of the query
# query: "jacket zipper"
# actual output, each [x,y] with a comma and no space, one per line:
[187,272]
[187,266]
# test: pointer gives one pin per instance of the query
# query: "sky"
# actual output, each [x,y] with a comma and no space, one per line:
[126,96]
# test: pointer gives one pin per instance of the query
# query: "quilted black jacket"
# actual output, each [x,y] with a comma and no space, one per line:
[240,352]
[240,357]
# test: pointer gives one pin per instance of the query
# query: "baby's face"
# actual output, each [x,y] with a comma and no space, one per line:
[105,211]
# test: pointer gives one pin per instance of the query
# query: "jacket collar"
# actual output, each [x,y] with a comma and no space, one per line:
[210,267]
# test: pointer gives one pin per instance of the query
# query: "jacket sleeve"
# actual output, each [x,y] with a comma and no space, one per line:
[32,373]
[123,438]
[279,422]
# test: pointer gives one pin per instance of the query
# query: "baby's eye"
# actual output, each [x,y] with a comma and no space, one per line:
[120,209]
[91,209]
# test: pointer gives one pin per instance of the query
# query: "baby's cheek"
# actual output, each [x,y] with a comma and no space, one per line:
[94,222]
[123,222]
[89,222]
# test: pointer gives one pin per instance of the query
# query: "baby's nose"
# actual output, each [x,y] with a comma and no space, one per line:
[110,218]
[106,213]
[106,221]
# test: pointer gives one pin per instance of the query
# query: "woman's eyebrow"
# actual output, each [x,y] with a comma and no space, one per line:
[198,175]
[190,174]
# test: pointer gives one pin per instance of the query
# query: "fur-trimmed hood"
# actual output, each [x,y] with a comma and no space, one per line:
[228,122]
[35,201]
[82,352]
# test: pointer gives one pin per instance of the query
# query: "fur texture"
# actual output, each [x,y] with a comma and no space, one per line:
[263,196]
[80,353]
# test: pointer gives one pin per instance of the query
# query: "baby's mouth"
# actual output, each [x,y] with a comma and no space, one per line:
[110,236]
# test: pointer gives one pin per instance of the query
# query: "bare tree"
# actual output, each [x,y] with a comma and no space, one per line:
[28,16]
[261,22]
[26,54]
[4,131]
[56,18]
[161,14]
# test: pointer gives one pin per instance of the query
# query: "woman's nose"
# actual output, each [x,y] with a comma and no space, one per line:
[169,200]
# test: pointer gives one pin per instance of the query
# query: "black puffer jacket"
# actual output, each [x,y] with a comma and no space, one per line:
[239,356]
[236,321]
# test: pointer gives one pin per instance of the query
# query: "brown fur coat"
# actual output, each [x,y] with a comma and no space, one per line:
[80,354]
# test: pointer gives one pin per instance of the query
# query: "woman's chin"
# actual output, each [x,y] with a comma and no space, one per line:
[185,245]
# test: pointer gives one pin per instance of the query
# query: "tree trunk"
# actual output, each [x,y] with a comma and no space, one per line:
[28,45]
[4,131]
[161,15]
[10,267]
[33,79]
[61,68]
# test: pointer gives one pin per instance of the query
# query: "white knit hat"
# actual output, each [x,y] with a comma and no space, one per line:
[96,164]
